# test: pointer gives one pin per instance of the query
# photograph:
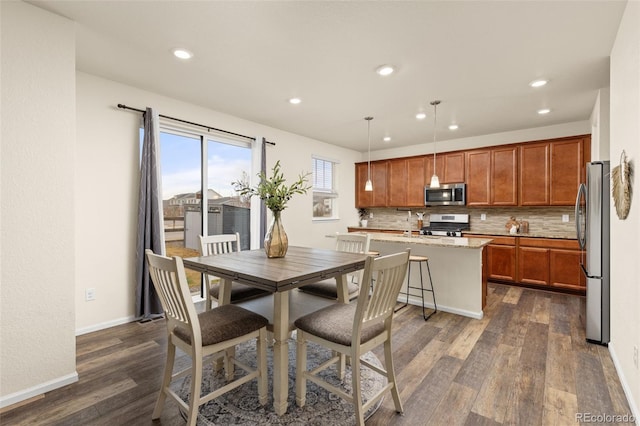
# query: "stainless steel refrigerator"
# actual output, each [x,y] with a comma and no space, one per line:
[592,225]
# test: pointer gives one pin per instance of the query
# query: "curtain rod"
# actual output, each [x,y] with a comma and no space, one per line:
[209,128]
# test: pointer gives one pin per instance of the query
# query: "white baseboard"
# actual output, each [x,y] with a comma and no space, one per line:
[104,325]
[23,395]
[418,302]
[625,386]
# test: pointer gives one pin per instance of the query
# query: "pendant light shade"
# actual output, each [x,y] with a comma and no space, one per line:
[369,186]
[435,182]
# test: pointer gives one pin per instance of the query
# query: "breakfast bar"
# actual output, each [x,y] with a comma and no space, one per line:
[456,265]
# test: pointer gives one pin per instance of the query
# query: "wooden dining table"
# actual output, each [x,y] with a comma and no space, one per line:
[300,266]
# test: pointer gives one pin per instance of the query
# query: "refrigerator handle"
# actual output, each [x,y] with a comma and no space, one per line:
[582,192]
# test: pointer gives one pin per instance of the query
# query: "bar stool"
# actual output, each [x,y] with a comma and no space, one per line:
[420,260]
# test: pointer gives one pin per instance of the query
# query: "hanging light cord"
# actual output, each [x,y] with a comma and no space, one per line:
[369,138]
[435,108]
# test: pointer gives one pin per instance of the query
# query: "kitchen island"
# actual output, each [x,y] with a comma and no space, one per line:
[456,268]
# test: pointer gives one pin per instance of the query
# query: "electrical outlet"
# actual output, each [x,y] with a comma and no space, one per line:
[483,216]
[370,215]
[565,218]
[90,294]
[635,356]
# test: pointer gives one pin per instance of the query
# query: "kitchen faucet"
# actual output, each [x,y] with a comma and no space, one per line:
[408,231]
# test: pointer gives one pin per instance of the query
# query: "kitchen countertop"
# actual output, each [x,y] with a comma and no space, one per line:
[429,240]
[539,234]
[501,233]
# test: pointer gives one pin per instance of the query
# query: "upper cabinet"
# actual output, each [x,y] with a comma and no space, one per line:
[417,179]
[566,171]
[534,174]
[551,171]
[398,180]
[377,197]
[545,173]
[449,167]
[492,176]
[406,182]
[478,164]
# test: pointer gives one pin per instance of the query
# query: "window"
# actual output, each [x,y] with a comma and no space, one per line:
[325,196]
[185,174]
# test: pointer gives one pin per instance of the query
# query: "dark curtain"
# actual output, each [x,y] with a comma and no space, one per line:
[263,208]
[150,218]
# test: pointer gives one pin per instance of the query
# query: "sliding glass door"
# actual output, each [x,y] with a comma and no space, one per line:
[191,161]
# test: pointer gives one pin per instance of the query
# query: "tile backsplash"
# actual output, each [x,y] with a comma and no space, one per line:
[542,220]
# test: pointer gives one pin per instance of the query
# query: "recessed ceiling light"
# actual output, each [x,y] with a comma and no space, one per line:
[544,111]
[385,70]
[421,116]
[182,53]
[387,139]
[538,83]
[453,127]
[295,101]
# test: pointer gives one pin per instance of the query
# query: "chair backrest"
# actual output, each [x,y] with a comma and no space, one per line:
[218,244]
[170,282]
[389,272]
[353,243]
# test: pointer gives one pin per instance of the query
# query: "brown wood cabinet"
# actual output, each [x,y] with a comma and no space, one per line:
[542,262]
[545,173]
[416,181]
[398,179]
[504,176]
[550,262]
[551,171]
[501,258]
[377,197]
[449,167]
[566,171]
[534,174]
[406,177]
[533,265]
[492,176]
[565,271]
[454,170]
[478,165]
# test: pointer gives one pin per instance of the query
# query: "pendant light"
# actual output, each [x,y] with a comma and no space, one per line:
[369,186]
[435,182]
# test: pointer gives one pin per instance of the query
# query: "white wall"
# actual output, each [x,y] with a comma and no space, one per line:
[600,126]
[107,181]
[504,138]
[37,205]
[625,234]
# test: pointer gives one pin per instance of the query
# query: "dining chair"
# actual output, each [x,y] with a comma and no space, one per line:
[350,243]
[218,244]
[214,332]
[352,330]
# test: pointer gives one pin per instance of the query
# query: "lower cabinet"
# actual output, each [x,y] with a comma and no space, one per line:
[501,259]
[541,262]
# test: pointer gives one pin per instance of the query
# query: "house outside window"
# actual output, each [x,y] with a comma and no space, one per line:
[325,196]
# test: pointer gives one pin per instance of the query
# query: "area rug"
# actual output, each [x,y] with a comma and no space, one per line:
[241,407]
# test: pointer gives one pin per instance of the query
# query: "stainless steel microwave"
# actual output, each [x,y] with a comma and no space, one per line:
[446,195]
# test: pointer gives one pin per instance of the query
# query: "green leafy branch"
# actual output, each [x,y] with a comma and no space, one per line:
[273,190]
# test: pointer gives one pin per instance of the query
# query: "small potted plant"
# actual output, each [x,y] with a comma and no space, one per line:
[364,216]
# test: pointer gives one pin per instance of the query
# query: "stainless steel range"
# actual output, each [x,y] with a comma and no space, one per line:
[446,225]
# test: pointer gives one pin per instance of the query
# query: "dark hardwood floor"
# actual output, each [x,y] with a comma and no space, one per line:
[525,363]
